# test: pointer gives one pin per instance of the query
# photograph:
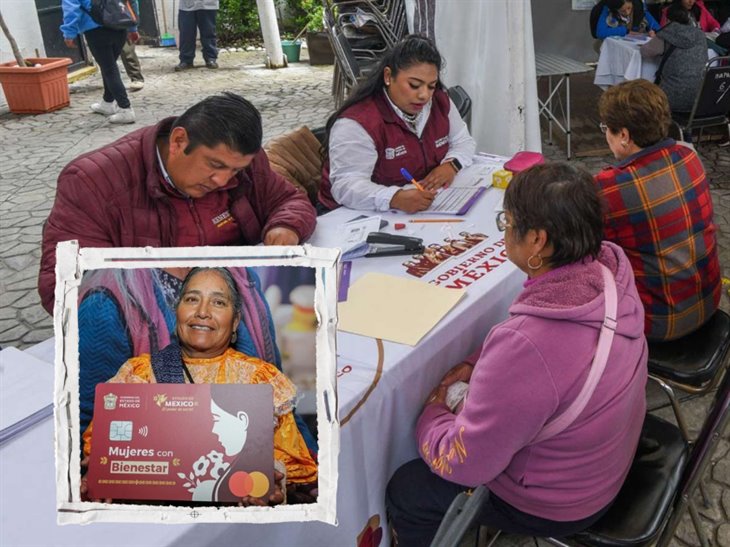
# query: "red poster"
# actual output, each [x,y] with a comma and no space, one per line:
[192,442]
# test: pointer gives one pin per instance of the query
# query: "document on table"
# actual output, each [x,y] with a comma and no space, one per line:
[349,237]
[394,308]
[27,392]
[468,185]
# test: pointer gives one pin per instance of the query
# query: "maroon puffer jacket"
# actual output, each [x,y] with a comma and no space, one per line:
[113,197]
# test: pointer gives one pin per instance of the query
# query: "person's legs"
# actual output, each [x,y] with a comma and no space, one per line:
[417,500]
[131,62]
[206,24]
[186,23]
[106,45]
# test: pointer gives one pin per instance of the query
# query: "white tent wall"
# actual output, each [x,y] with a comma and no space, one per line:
[488,48]
[562,30]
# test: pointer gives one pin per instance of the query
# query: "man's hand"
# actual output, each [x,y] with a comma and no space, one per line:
[440,176]
[70,42]
[281,236]
[412,201]
[133,37]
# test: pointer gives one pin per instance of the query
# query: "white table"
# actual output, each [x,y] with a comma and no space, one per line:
[381,389]
[561,67]
[621,60]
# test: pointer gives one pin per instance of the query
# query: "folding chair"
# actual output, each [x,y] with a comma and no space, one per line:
[712,103]
[659,487]
[462,101]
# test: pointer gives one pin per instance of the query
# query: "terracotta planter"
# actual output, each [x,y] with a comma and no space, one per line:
[320,49]
[34,90]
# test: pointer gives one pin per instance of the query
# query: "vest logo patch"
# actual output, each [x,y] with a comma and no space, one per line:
[392,153]
[222,219]
[442,141]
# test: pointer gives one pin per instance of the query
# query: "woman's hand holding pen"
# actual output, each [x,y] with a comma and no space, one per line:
[441,176]
[412,201]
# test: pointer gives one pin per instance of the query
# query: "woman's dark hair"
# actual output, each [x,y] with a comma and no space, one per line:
[562,200]
[677,13]
[411,50]
[225,118]
[637,14]
[694,10]
[236,299]
[641,107]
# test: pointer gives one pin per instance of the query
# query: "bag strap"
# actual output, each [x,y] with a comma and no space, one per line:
[605,339]
[665,56]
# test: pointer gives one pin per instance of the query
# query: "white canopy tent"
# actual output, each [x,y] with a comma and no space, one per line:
[489,51]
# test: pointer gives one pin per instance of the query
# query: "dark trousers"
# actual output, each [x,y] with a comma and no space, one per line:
[106,45]
[189,22]
[417,499]
[131,62]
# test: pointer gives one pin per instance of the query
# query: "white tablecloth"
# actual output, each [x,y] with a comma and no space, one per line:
[380,395]
[620,60]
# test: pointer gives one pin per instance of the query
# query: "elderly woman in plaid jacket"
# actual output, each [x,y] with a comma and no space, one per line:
[659,210]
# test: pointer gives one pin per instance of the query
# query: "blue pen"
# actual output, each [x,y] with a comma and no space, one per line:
[409,178]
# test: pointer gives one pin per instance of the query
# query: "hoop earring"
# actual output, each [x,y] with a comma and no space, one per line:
[234,337]
[529,260]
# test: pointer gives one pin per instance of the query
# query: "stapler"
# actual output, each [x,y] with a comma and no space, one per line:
[384,244]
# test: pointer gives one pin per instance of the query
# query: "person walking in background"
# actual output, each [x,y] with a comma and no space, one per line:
[130,59]
[196,15]
[105,45]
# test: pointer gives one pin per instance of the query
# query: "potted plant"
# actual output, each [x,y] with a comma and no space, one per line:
[309,16]
[33,85]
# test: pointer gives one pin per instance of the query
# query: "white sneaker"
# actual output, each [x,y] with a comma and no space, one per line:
[105,108]
[124,115]
[136,85]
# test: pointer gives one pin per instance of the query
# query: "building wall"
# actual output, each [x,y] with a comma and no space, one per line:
[558,29]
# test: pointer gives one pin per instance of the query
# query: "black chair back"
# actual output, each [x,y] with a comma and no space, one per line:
[714,96]
[461,100]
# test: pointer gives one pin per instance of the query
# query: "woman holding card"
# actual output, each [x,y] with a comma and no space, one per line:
[400,117]
[552,442]
[208,313]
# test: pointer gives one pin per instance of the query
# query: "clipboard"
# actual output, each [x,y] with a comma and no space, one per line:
[384,244]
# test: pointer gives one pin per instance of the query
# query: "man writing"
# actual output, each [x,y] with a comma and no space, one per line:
[199,179]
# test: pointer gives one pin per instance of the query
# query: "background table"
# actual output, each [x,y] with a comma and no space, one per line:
[621,60]
[381,389]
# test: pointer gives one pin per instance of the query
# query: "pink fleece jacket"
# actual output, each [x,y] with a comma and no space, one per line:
[530,369]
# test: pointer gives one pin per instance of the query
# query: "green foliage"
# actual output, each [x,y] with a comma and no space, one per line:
[237,22]
[305,13]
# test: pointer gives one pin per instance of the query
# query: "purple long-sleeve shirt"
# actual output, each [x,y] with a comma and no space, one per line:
[530,369]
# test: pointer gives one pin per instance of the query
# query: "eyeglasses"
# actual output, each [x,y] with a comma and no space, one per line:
[501,221]
[603,127]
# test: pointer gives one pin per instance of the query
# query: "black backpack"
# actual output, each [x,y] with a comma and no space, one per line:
[595,14]
[113,14]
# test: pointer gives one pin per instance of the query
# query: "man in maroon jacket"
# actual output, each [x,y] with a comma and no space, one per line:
[199,179]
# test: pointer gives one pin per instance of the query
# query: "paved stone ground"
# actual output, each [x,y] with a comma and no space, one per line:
[33,149]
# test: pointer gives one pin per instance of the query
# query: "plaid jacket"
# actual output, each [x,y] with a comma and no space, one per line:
[659,210]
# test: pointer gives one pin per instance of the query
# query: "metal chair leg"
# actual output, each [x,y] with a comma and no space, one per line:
[675,406]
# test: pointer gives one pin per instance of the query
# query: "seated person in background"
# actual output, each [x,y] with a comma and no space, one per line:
[622,17]
[684,51]
[399,117]
[525,376]
[659,210]
[198,179]
[208,313]
[697,14]
[128,312]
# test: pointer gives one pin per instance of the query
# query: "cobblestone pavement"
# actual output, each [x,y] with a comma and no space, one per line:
[33,149]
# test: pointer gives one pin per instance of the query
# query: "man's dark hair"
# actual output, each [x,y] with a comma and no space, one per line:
[562,200]
[225,118]
[412,50]
[677,14]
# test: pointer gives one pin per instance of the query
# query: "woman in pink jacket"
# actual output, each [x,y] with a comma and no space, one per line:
[529,370]
[698,14]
